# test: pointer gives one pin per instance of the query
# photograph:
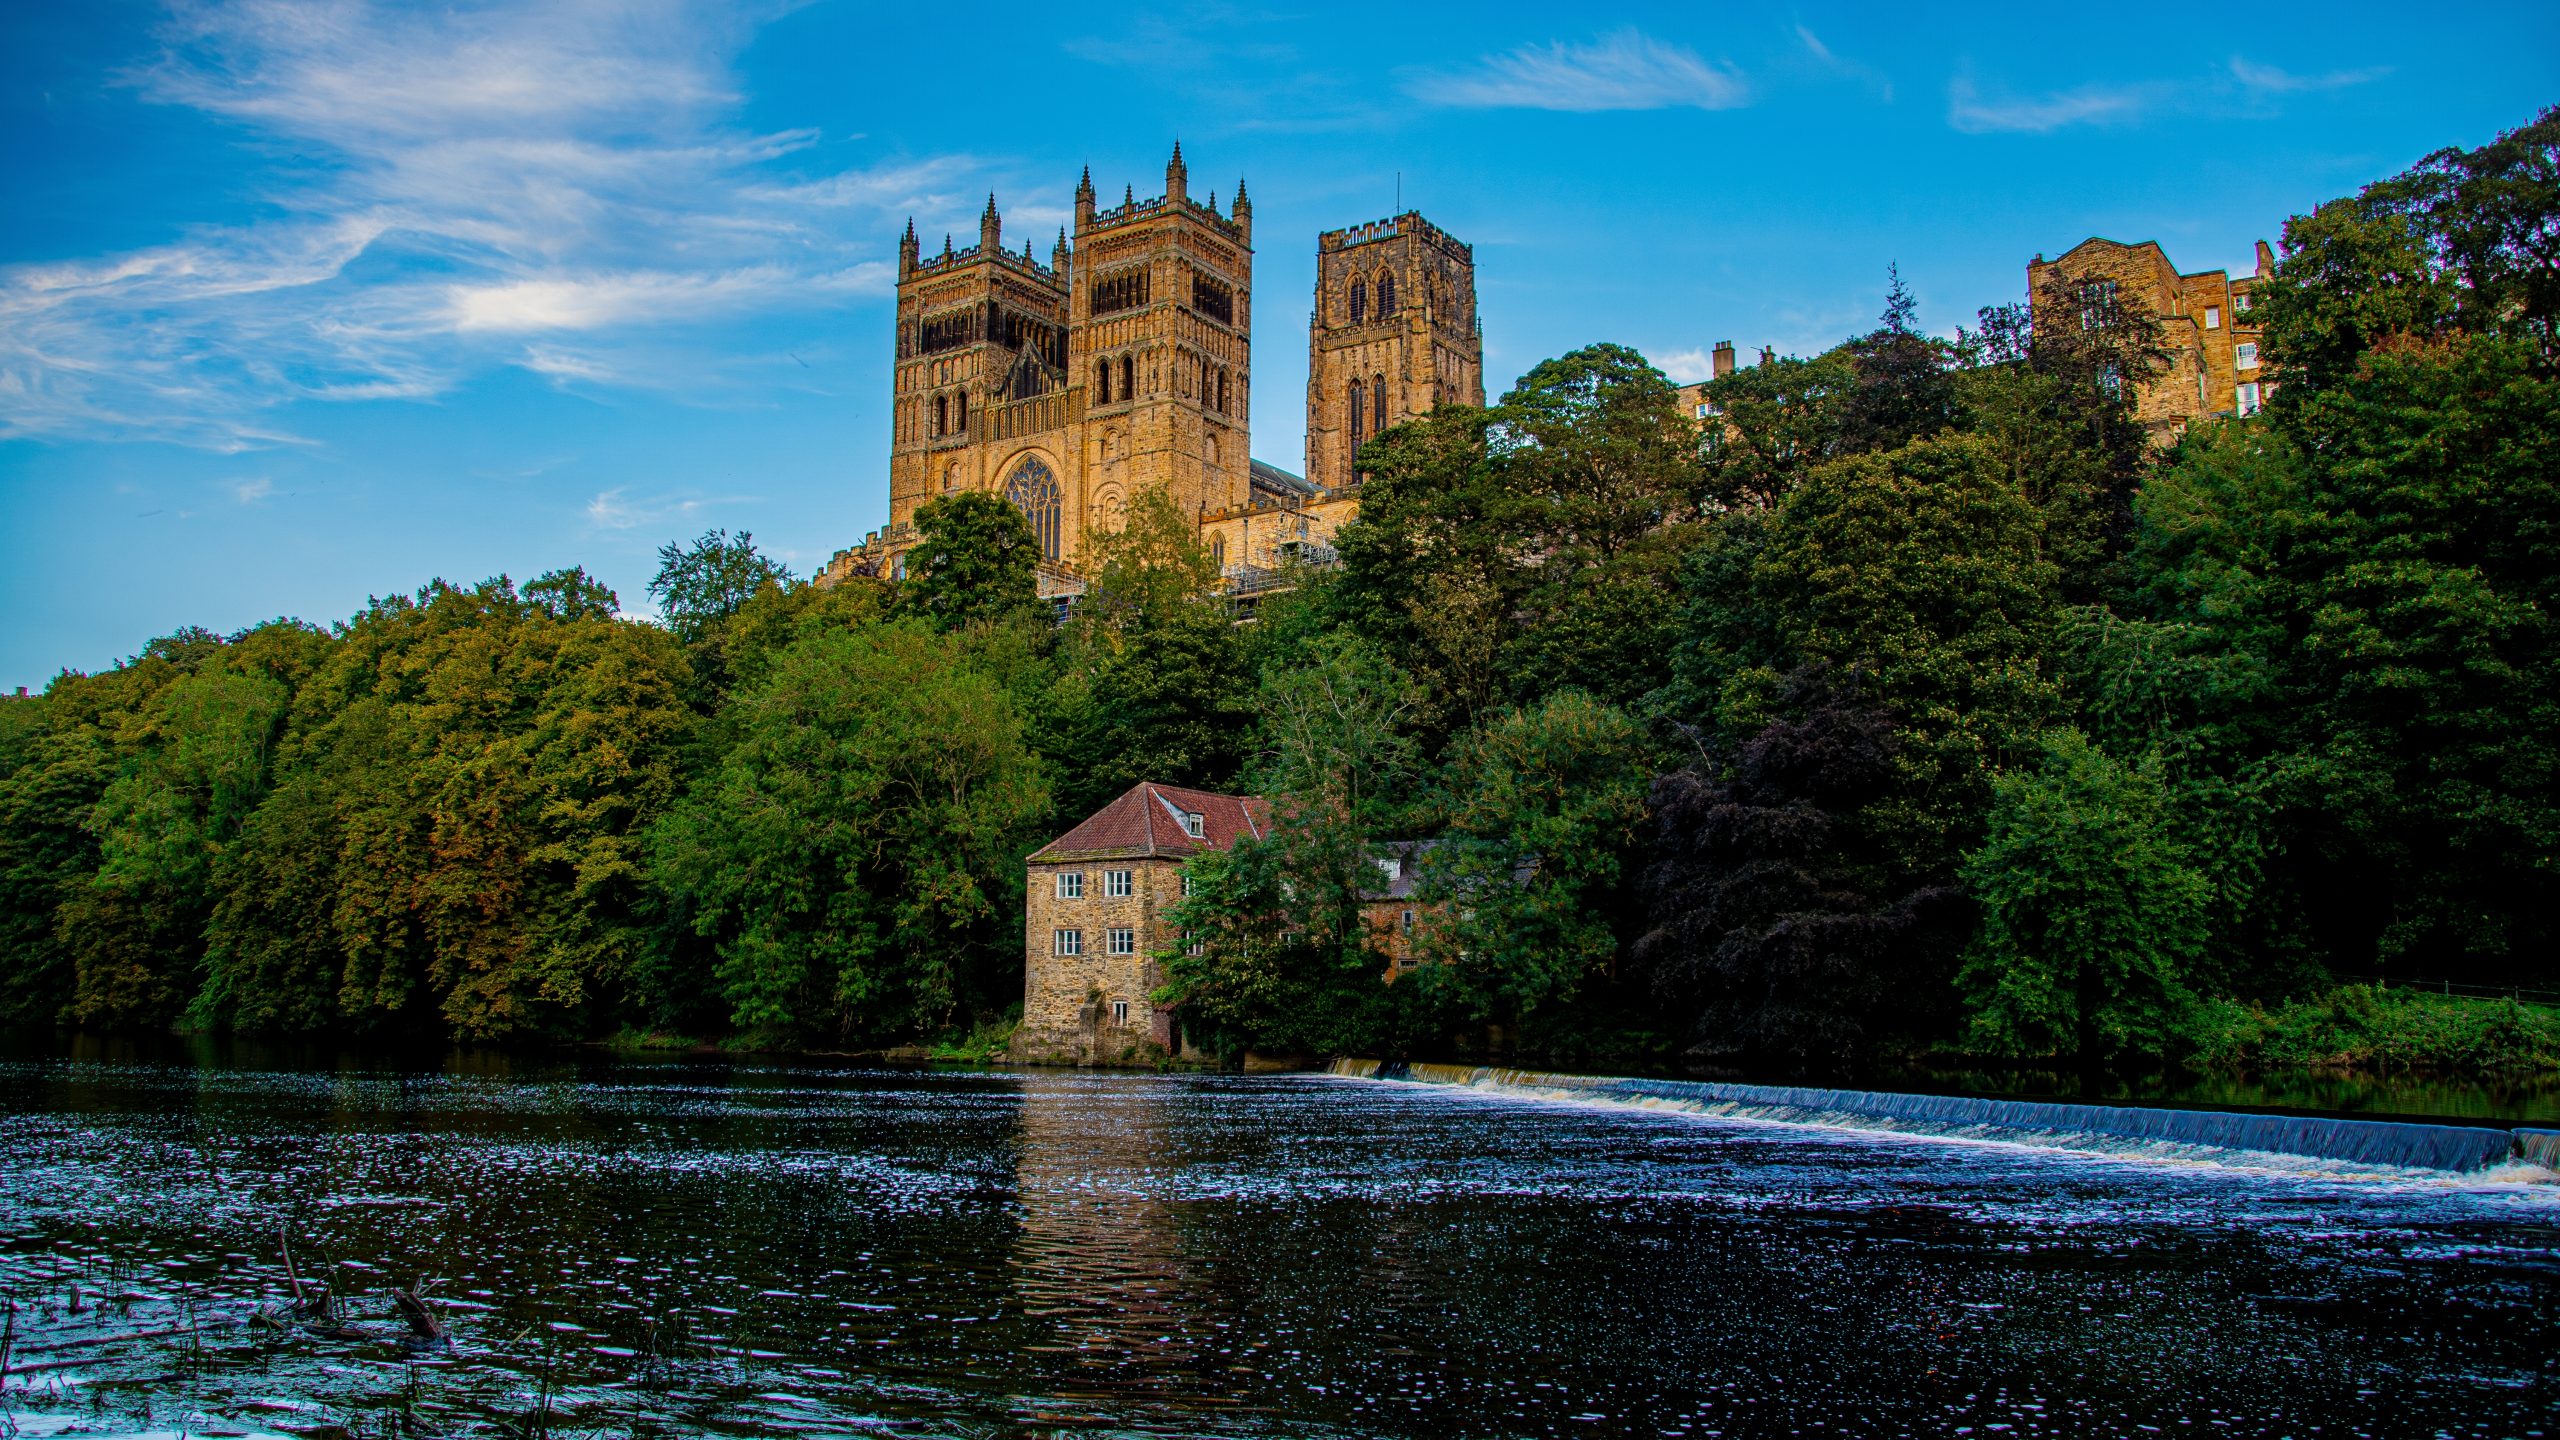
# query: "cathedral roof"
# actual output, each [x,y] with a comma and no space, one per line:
[1149,820]
[1267,476]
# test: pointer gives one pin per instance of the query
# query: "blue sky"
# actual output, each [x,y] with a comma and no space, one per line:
[303,301]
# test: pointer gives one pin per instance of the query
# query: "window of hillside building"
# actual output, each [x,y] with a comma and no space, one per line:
[2245,355]
[1407,924]
[1124,940]
[2240,303]
[1705,409]
[2213,317]
[1190,886]
[1194,826]
[1391,867]
[1119,1012]
[1115,884]
[1359,301]
[2097,303]
[1218,551]
[1066,942]
[2247,398]
[898,568]
[1194,945]
[1070,884]
[1386,296]
[1407,961]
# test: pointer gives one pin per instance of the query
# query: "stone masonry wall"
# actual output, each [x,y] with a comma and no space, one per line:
[1067,1007]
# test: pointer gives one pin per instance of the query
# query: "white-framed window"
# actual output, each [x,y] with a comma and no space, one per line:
[1070,884]
[1190,886]
[1195,826]
[2245,355]
[2213,317]
[1408,922]
[1119,1012]
[1115,884]
[1194,945]
[1066,942]
[1123,940]
[1705,409]
[2240,303]
[2247,397]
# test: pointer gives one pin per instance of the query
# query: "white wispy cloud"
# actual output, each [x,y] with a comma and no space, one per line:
[461,177]
[250,492]
[616,510]
[1685,367]
[1628,70]
[2270,80]
[1974,113]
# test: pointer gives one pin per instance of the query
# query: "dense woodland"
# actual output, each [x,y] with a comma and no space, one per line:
[1919,705]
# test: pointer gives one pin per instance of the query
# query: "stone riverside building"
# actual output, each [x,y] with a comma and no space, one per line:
[1123,365]
[2210,333]
[1095,921]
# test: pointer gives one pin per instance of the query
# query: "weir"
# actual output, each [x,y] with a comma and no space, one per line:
[2374,1142]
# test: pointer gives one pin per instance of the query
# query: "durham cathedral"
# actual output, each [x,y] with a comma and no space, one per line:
[1125,364]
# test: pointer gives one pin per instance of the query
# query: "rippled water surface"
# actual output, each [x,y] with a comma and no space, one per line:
[684,1248]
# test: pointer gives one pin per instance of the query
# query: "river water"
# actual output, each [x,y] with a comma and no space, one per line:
[679,1248]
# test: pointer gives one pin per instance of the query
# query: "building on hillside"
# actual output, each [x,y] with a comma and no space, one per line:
[1095,919]
[1123,366]
[1695,407]
[2212,338]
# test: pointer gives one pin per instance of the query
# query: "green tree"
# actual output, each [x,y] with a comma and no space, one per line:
[2093,916]
[1285,956]
[976,560]
[1544,806]
[855,856]
[697,586]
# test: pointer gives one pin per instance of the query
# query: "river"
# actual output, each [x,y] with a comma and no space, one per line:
[682,1247]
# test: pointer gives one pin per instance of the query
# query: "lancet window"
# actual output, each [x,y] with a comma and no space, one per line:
[1386,296]
[1359,301]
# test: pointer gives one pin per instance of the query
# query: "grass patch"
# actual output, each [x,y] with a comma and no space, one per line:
[982,1044]
[2363,1028]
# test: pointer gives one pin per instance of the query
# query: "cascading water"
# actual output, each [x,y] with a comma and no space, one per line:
[2457,1148]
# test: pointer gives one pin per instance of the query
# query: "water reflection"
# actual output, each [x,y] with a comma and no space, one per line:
[683,1248]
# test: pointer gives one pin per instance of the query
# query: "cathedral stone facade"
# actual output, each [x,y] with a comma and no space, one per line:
[1123,366]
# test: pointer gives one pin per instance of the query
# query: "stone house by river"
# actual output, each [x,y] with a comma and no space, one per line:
[1096,916]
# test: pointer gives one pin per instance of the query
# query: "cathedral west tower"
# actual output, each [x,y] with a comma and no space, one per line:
[1121,365]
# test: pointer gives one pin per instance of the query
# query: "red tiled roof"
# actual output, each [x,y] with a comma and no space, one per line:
[1147,820]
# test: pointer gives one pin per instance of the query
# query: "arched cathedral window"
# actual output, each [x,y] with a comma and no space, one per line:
[1128,378]
[1386,296]
[1359,411]
[1377,404]
[960,413]
[1222,393]
[1101,382]
[1359,301]
[1034,491]
[941,415]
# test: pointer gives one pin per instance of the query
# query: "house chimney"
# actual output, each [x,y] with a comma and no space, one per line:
[2266,260]
[1723,359]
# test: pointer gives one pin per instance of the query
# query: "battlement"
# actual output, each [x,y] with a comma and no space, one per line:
[1392,227]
